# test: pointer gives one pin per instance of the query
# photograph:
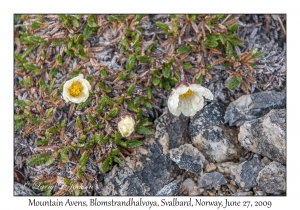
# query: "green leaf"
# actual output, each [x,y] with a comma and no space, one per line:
[35,121]
[143,130]
[164,27]
[114,112]
[166,70]
[99,139]
[131,106]
[134,143]
[22,103]
[84,158]
[166,85]
[50,161]
[64,155]
[258,54]
[50,87]
[117,160]
[53,72]
[82,139]
[78,122]
[139,113]
[87,33]
[118,137]
[39,159]
[222,39]
[232,38]
[229,50]
[75,23]
[103,72]
[105,165]
[185,49]
[144,59]
[233,28]
[32,68]
[199,79]
[137,101]
[149,92]
[91,119]
[29,49]
[18,124]
[148,104]
[19,58]
[58,43]
[53,130]
[234,83]
[187,66]
[114,152]
[108,100]
[130,63]
[68,182]
[34,25]
[156,81]
[130,89]
[152,46]
[48,112]
[42,142]
[104,87]
[83,104]
[111,18]
[59,59]
[17,18]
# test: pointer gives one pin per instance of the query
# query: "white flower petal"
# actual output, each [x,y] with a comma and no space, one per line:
[197,102]
[202,90]
[182,89]
[187,108]
[126,125]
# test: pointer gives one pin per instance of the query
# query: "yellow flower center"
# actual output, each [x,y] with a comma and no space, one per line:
[189,94]
[75,89]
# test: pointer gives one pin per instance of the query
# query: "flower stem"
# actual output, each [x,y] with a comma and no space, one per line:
[182,77]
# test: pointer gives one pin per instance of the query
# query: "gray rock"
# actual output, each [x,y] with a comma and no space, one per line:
[189,188]
[171,131]
[226,168]
[266,135]
[210,167]
[246,173]
[249,107]
[207,132]
[21,190]
[171,189]
[233,188]
[242,193]
[150,168]
[188,158]
[212,180]
[272,179]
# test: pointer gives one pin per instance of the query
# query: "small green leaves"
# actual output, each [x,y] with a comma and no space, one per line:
[29,49]
[144,59]
[164,27]
[185,49]
[103,72]
[199,79]
[147,104]
[104,87]
[105,165]
[58,43]
[39,159]
[233,28]
[83,104]
[22,103]
[18,124]
[84,158]
[259,54]
[59,59]
[166,70]
[32,68]
[35,121]
[130,89]
[143,130]
[114,112]
[133,143]
[229,49]
[48,112]
[234,83]
[156,81]
[149,92]
[130,63]
[91,119]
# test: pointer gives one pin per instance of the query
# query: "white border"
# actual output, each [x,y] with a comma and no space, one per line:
[8,8]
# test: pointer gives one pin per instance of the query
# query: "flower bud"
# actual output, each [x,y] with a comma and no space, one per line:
[126,125]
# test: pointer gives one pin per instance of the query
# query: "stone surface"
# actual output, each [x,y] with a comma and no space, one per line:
[188,158]
[207,132]
[171,131]
[233,188]
[171,189]
[245,173]
[272,179]
[266,135]
[249,107]
[210,167]
[148,170]
[189,188]
[21,190]
[242,193]
[226,168]
[212,180]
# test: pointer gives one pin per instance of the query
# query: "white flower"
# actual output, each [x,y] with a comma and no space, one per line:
[76,90]
[188,99]
[126,125]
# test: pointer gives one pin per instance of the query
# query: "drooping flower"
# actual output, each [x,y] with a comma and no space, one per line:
[126,125]
[76,90]
[187,99]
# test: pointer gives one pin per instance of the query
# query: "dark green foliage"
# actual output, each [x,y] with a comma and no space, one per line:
[84,104]
[234,83]
[185,49]
[130,63]
[39,159]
